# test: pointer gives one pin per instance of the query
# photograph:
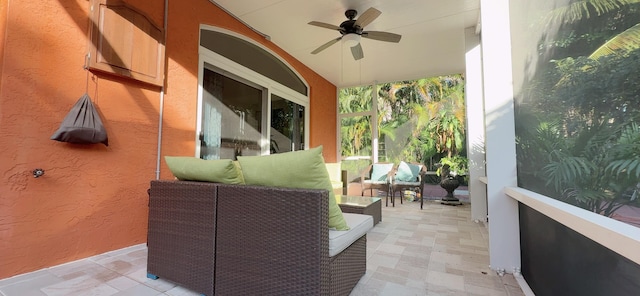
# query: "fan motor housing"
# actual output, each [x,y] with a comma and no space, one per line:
[349,27]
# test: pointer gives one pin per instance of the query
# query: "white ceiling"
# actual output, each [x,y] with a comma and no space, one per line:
[432,36]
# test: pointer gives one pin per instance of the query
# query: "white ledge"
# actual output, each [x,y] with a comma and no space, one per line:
[483,180]
[620,237]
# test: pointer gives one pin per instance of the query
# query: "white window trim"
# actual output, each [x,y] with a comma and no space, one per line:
[270,86]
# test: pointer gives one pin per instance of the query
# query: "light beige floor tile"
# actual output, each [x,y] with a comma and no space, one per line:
[139,290]
[122,283]
[450,281]
[509,279]
[386,260]
[437,290]
[445,257]
[482,280]
[435,251]
[30,285]
[437,266]
[79,286]
[180,291]
[160,284]
[371,287]
[23,277]
[477,290]
[389,277]
[73,267]
[393,289]
[514,291]
[390,249]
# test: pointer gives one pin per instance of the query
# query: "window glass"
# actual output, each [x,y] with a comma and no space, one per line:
[231,117]
[287,125]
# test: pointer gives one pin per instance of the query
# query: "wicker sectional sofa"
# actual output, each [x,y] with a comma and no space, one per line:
[219,239]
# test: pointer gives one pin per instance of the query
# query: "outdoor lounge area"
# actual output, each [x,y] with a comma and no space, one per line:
[436,251]
[531,103]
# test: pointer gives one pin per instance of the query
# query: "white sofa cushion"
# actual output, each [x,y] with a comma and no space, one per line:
[339,240]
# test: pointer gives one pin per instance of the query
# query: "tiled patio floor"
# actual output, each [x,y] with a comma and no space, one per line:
[435,251]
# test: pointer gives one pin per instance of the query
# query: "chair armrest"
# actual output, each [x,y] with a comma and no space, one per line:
[271,241]
[181,233]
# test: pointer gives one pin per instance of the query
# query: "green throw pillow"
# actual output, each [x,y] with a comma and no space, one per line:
[379,171]
[303,169]
[195,169]
[407,172]
[239,169]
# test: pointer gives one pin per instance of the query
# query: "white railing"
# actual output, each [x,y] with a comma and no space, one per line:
[620,237]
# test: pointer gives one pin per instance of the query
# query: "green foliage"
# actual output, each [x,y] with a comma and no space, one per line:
[417,120]
[457,164]
[594,173]
[626,153]
[577,137]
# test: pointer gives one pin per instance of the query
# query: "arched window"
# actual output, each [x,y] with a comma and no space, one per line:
[250,101]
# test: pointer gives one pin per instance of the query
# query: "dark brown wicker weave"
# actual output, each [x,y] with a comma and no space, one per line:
[181,234]
[257,241]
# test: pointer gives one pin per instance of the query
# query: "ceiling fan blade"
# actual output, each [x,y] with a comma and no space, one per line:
[382,36]
[326,45]
[367,17]
[357,53]
[324,25]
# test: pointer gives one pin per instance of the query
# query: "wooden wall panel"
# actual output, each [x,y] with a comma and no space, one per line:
[126,42]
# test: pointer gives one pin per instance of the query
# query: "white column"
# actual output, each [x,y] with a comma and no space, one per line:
[475,125]
[504,232]
[375,142]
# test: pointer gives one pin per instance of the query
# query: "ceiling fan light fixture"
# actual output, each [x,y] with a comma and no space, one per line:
[351,39]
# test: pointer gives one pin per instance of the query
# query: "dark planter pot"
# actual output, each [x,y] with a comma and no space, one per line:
[450,184]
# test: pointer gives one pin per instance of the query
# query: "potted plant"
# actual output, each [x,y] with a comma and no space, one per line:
[458,165]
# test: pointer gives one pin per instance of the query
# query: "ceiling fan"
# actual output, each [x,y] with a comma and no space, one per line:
[351,31]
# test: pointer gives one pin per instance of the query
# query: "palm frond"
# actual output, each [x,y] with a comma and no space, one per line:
[628,166]
[580,10]
[566,170]
[620,44]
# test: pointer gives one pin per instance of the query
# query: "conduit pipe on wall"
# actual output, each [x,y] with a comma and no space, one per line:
[161,107]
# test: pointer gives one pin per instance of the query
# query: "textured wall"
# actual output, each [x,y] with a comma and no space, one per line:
[93,198]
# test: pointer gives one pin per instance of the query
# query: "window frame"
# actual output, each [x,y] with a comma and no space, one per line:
[234,70]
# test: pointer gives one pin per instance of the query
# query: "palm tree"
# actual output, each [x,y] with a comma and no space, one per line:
[421,118]
[355,99]
[577,11]
[444,116]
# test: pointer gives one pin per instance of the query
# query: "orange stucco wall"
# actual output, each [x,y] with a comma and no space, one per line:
[93,198]
[3,26]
